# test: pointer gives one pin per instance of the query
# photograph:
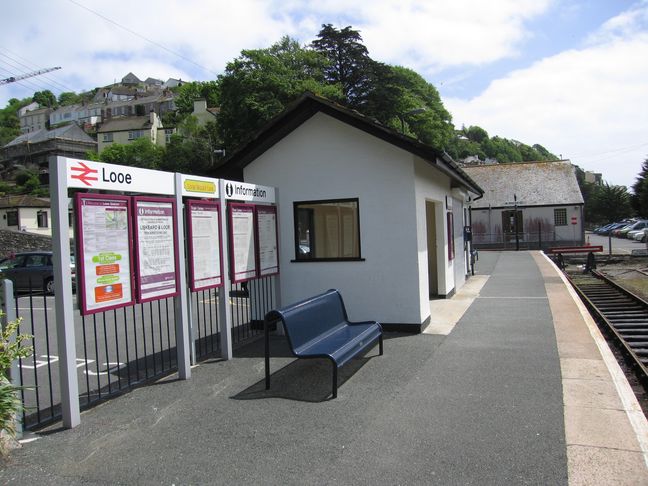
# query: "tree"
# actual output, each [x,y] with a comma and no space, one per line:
[9,122]
[610,203]
[45,98]
[193,149]
[349,64]
[189,92]
[260,83]
[640,189]
[140,153]
[69,98]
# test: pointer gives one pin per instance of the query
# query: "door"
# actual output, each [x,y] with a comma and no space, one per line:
[433,273]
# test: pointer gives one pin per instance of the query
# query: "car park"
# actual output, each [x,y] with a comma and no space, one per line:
[31,271]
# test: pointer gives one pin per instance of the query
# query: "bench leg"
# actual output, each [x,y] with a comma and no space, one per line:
[335,380]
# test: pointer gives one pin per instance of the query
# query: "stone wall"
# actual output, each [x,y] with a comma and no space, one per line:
[16,241]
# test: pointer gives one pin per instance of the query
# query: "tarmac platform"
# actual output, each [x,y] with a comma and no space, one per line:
[511,383]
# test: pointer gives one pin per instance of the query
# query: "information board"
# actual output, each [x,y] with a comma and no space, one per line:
[104,251]
[203,235]
[242,244]
[267,240]
[156,248]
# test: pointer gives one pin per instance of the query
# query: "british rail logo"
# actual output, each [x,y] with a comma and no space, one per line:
[84,174]
[87,174]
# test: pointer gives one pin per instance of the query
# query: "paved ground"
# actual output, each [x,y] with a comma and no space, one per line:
[620,246]
[484,403]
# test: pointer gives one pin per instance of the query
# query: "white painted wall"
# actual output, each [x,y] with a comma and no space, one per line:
[28,221]
[493,219]
[326,159]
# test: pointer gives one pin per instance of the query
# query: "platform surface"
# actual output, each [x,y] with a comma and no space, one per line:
[511,385]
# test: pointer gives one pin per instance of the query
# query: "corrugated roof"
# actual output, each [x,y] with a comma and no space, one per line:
[534,184]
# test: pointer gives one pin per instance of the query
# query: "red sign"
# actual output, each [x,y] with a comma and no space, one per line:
[574,220]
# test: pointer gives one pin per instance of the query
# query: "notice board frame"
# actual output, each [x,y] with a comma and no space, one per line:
[136,248]
[81,246]
[189,205]
[267,210]
[249,273]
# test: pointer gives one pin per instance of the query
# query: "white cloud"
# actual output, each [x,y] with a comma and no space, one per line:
[425,36]
[586,104]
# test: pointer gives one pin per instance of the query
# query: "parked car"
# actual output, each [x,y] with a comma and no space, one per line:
[611,227]
[641,235]
[617,231]
[639,225]
[31,271]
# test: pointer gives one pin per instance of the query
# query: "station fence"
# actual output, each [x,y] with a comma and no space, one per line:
[120,349]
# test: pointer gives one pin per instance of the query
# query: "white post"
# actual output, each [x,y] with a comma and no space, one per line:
[63,295]
[183,324]
[9,309]
[225,317]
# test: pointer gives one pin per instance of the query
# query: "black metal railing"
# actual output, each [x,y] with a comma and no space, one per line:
[249,302]
[205,313]
[116,350]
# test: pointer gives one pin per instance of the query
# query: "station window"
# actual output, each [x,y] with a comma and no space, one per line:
[560,217]
[327,230]
[41,217]
[12,218]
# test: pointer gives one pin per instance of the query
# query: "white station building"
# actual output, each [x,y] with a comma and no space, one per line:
[362,208]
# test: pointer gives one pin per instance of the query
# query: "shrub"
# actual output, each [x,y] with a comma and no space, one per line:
[11,348]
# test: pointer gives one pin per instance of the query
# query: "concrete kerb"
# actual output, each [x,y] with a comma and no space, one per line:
[628,400]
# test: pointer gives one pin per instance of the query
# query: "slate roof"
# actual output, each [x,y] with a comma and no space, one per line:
[308,105]
[123,123]
[534,184]
[23,201]
[67,132]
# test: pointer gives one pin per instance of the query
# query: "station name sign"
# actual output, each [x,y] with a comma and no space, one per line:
[85,174]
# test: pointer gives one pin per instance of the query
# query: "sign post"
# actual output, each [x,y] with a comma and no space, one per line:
[63,295]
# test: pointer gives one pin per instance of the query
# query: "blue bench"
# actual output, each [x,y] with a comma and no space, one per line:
[318,327]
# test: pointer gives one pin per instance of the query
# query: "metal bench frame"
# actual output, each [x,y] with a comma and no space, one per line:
[333,339]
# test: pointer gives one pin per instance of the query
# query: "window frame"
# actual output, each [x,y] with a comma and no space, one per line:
[42,219]
[13,214]
[563,211]
[296,205]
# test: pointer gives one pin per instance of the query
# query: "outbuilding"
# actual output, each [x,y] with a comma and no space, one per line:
[527,205]
[362,208]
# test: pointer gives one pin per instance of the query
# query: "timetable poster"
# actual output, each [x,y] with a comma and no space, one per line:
[203,233]
[104,251]
[242,242]
[267,240]
[156,248]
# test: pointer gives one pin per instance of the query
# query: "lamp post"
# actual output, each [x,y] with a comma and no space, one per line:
[401,116]
[517,235]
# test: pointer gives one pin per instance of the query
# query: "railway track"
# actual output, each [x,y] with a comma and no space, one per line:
[623,315]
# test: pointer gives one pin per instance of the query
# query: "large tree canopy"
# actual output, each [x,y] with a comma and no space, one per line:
[259,84]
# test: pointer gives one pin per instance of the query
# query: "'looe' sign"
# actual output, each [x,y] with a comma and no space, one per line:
[86,174]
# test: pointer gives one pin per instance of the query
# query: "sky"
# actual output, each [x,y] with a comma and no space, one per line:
[571,75]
